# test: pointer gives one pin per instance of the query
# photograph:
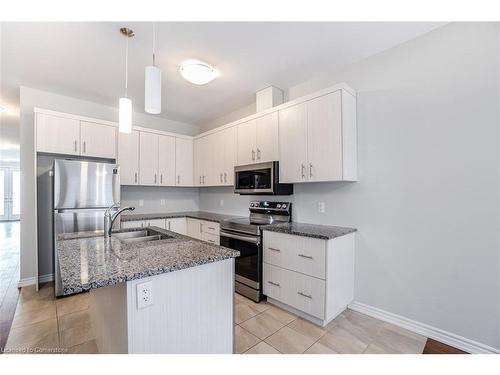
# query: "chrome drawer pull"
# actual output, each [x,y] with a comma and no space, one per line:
[305,256]
[273,249]
[305,295]
[273,283]
[212,228]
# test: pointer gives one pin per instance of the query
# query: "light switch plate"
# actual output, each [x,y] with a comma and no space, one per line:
[144,295]
[141,202]
[162,202]
[221,202]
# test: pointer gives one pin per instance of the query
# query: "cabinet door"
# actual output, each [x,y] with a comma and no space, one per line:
[183,162]
[209,145]
[293,143]
[194,228]
[177,225]
[230,154]
[247,153]
[218,162]
[166,160]
[97,140]
[160,223]
[198,161]
[128,157]
[148,160]
[57,135]
[267,137]
[324,138]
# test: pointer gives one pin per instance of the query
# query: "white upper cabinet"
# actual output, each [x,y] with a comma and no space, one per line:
[218,166]
[183,162]
[318,139]
[148,159]
[128,157]
[166,160]
[293,143]
[324,138]
[230,154]
[203,159]
[267,138]
[69,136]
[247,142]
[97,140]
[258,140]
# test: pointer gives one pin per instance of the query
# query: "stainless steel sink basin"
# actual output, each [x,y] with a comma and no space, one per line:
[142,235]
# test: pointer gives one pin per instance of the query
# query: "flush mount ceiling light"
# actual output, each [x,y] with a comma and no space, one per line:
[152,85]
[198,72]
[125,111]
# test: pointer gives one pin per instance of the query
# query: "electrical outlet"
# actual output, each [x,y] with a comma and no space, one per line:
[141,202]
[321,207]
[162,202]
[144,295]
[221,202]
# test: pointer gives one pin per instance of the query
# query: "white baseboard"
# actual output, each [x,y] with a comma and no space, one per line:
[32,280]
[445,337]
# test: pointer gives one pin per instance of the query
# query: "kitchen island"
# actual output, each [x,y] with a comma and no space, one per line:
[173,294]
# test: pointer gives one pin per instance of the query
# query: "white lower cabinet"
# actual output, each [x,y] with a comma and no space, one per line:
[160,223]
[203,230]
[177,225]
[310,277]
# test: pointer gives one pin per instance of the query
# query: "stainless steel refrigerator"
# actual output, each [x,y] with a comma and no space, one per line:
[83,190]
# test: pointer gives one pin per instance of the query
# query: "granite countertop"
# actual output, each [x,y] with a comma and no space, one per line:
[324,232]
[88,262]
[202,215]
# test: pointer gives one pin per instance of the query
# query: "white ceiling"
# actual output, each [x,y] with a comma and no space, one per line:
[86,60]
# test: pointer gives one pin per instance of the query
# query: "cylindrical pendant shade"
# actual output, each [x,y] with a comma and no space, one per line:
[152,92]
[125,116]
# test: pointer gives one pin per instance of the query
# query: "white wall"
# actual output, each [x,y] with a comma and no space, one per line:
[427,201]
[175,199]
[30,98]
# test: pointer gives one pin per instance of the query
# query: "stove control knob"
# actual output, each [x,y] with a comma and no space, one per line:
[283,206]
[251,205]
[278,205]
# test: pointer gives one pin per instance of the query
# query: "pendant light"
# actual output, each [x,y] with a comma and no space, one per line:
[152,84]
[125,105]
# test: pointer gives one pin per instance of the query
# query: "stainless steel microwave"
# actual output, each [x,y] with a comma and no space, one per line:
[260,179]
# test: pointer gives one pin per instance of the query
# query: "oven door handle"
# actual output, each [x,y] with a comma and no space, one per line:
[251,239]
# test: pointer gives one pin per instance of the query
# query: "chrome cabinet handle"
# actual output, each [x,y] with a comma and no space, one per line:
[212,228]
[169,225]
[200,228]
[178,179]
[212,241]
[303,171]
[253,154]
[135,177]
[273,283]
[161,179]
[84,147]
[305,295]
[305,256]
[273,249]
[203,180]
[310,169]
[221,178]
[75,146]
[258,154]
[225,177]
[155,178]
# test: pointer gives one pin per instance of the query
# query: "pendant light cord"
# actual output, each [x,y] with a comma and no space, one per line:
[126,66]
[154,43]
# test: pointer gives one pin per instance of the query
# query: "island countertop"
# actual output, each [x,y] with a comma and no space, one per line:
[88,260]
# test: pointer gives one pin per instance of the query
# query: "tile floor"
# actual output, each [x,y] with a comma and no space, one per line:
[9,276]
[266,329]
[43,324]
[63,326]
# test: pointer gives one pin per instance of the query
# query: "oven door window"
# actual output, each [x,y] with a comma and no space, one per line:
[248,263]
[255,179]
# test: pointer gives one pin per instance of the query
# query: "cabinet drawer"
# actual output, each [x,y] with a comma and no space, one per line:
[211,227]
[296,253]
[132,224]
[156,223]
[305,293]
[212,238]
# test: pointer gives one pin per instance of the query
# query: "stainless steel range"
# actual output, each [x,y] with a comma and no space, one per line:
[245,235]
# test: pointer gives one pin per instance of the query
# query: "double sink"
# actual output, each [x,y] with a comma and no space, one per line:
[141,235]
